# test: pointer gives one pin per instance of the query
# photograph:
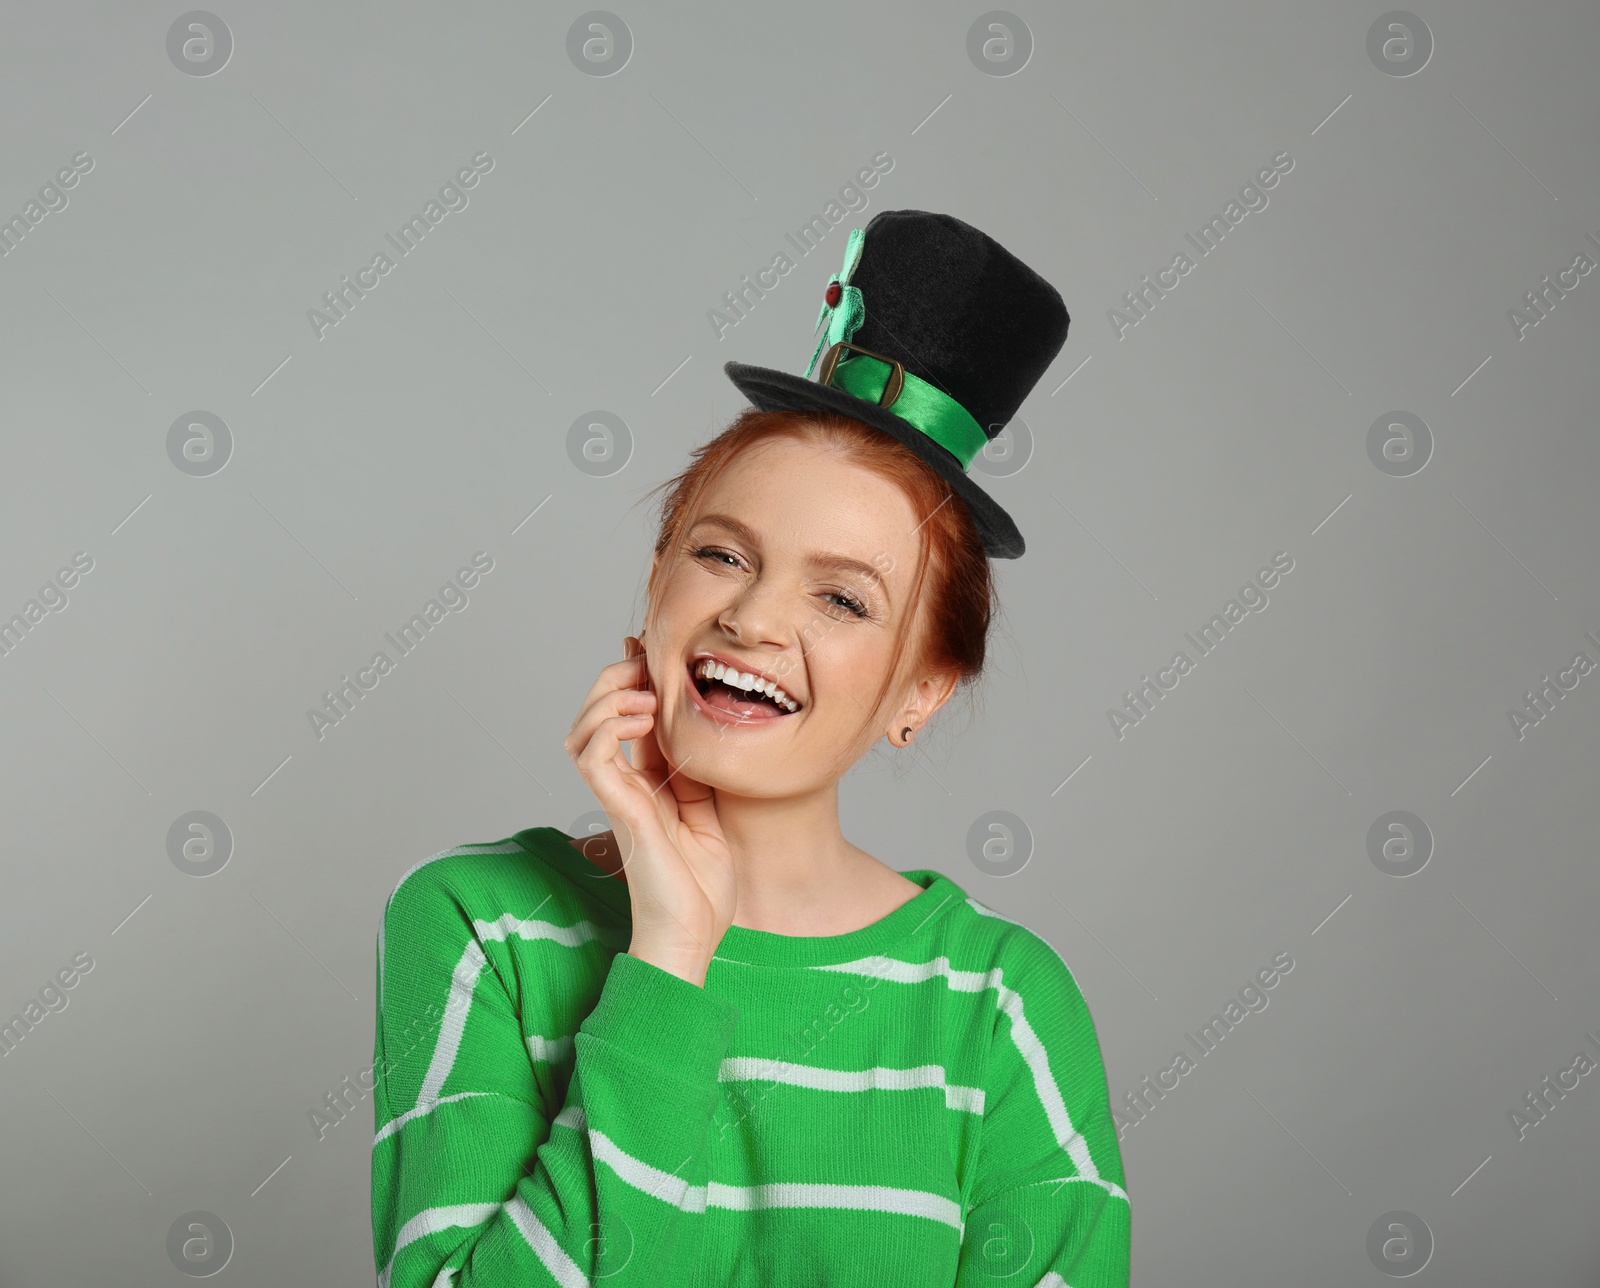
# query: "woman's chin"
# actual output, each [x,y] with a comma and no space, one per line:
[706,754]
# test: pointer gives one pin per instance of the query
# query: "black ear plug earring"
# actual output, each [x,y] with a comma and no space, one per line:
[905,735]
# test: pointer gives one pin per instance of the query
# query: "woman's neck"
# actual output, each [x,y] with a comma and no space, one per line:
[796,872]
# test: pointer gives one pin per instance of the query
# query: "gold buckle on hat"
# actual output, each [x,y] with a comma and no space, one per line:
[891,388]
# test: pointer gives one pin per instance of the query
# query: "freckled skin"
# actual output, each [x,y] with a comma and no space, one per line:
[762,603]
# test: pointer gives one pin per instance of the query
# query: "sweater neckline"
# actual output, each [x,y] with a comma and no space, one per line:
[764,947]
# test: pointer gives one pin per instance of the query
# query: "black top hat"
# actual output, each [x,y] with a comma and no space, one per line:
[935,335]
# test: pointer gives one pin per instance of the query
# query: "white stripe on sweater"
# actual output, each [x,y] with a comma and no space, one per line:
[426,1107]
[636,1172]
[743,1198]
[751,1069]
[1033,934]
[867,1198]
[549,1050]
[987,911]
[1022,1034]
[463,983]
[508,924]
[563,1269]
[479,847]
[431,1221]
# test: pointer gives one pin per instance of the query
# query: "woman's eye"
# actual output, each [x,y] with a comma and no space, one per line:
[849,602]
[844,599]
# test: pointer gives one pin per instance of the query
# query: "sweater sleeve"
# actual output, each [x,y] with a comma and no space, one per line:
[476,1182]
[1048,1205]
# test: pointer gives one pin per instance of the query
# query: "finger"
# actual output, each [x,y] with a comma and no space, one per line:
[614,679]
[625,674]
[617,702]
[623,791]
[647,753]
[678,797]
[636,652]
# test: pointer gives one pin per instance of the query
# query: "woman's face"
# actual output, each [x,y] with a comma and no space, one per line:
[798,567]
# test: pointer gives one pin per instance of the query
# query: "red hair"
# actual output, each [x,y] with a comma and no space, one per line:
[953,578]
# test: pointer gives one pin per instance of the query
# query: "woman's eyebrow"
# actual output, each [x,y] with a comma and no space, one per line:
[815,558]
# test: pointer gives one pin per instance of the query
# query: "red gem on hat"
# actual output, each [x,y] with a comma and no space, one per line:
[833,293]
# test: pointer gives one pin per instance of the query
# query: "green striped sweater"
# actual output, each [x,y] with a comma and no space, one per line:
[920,1103]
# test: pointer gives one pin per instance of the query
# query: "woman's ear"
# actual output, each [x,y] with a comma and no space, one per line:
[930,693]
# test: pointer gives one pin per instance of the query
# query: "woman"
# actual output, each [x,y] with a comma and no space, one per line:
[807,1067]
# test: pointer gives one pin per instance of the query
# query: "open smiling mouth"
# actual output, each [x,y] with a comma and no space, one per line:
[727,694]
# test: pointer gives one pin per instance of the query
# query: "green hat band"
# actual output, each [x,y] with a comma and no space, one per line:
[919,404]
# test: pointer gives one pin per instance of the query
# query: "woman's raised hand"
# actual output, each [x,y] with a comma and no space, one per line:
[679,871]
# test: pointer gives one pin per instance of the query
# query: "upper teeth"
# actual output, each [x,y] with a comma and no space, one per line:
[710,667]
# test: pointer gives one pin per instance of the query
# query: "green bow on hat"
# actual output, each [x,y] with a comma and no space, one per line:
[845,317]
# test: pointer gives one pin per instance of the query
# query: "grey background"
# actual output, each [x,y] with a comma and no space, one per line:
[1230,424]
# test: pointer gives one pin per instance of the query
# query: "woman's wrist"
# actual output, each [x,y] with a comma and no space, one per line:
[686,966]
